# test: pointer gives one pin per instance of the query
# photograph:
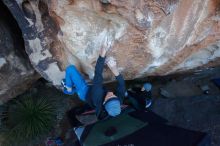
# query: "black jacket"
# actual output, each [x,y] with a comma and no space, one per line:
[97,91]
[136,98]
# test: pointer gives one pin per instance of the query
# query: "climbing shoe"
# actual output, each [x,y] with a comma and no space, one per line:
[66,90]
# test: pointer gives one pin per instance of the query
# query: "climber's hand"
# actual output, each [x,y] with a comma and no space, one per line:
[103,51]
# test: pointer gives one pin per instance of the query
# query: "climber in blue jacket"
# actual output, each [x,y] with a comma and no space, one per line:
[96,96]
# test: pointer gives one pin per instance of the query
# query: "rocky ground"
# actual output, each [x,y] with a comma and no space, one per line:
[186,105]
[199,113]
[180,99]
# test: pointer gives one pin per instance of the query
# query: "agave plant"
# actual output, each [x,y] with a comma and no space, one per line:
[28,119]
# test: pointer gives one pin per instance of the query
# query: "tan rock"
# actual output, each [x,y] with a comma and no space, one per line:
[150,37]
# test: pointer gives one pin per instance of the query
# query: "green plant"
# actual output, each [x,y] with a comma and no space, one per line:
[27,119]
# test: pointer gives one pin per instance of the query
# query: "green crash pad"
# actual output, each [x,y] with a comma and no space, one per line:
[124,125]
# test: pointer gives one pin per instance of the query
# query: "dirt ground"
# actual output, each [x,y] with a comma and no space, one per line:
[179,99]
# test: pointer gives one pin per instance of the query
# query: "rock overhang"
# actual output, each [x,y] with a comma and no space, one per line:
[149,37]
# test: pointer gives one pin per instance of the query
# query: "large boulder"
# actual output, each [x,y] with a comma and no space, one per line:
[149,37]
[16,72]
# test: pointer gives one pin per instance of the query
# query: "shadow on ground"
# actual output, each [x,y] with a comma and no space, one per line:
[201,113]
[187,105]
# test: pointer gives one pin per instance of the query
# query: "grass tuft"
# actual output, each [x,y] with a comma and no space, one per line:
[27,119]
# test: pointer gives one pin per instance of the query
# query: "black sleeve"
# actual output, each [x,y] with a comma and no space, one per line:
[97,91]
[120,91]
[97,80]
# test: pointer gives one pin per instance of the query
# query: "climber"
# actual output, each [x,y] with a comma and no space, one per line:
[96,96]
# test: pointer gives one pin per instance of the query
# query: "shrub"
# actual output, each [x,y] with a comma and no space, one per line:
[27,120]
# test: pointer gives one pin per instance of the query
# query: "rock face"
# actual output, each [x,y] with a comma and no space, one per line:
[149,37]
[16,72]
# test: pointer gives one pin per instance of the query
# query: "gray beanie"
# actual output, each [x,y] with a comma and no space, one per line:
[113,106]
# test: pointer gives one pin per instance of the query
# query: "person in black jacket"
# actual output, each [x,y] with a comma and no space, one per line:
[140,98]
[104,102]
[98,96]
